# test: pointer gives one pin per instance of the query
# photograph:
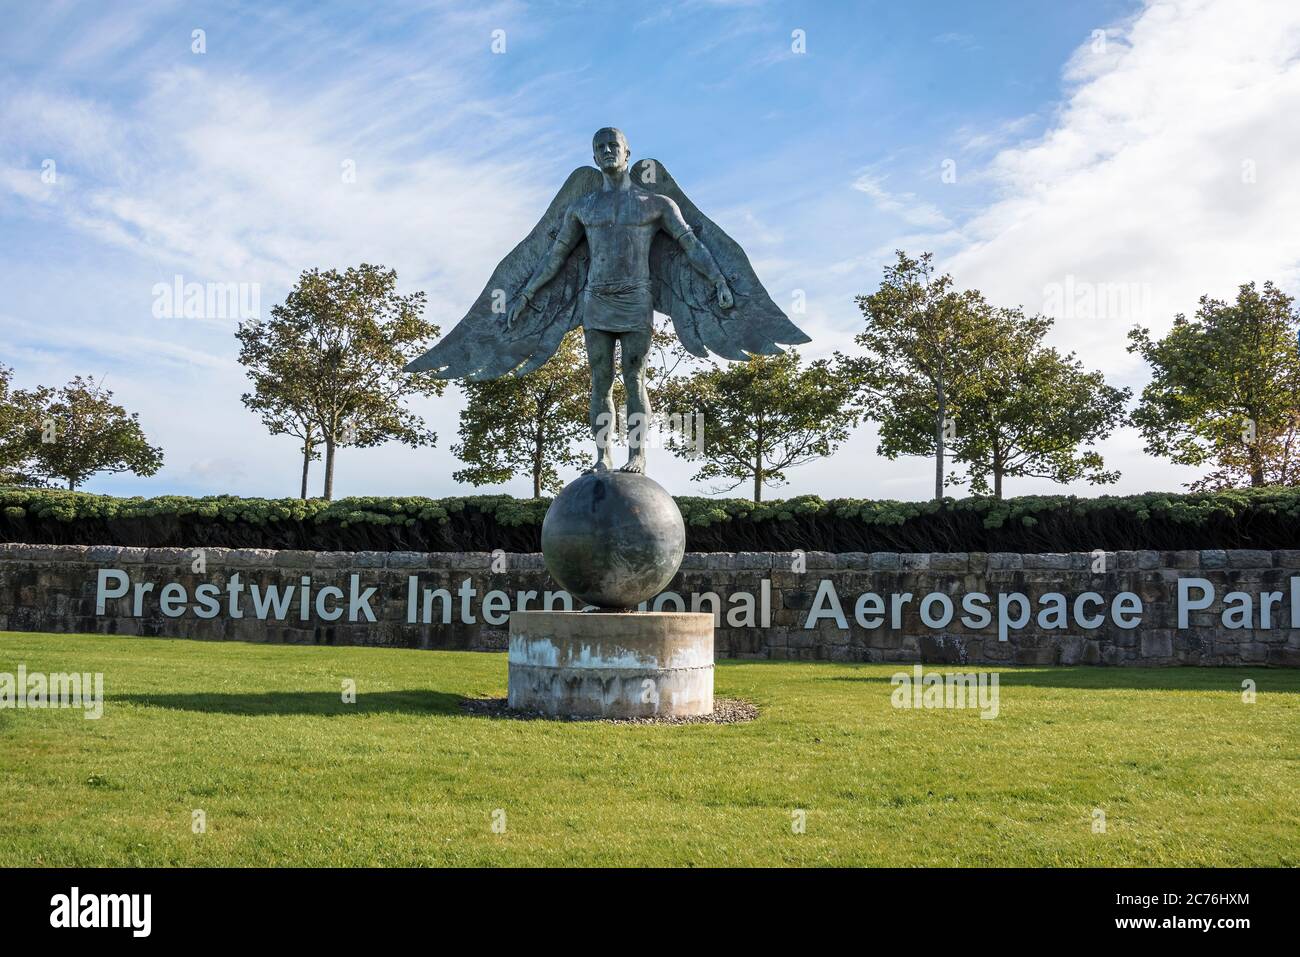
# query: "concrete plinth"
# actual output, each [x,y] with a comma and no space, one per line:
[611,664]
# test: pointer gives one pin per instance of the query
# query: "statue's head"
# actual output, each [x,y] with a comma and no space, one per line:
[609,150]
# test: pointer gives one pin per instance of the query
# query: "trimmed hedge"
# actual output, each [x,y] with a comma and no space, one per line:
[1249,518]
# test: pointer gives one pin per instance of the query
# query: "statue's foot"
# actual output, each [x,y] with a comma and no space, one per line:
[600,465]
[635,464]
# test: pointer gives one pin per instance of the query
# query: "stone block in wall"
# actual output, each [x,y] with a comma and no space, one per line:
[1214,558]
[31,554]
[407,560]
[950,561]
[1046,654]
[1005,561]
[799,599]
[941,649]
[250,558]
[294,558]
[334,559]
[1249,558]
[853,560]
[886,639]
[1071,649]
[1047,560]
[175,557]
[1157,643]
[753,560]
[1284,657]
[885,561]
[1253,652]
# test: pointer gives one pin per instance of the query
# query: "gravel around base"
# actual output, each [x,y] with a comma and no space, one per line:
[725,711]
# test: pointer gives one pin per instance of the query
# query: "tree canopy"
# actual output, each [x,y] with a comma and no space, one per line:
[1225,389]
[763,417]
[1030,411]
[330,362]
[924,343]
[77,431]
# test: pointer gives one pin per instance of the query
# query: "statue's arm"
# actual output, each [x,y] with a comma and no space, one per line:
[568,236]
[697,254]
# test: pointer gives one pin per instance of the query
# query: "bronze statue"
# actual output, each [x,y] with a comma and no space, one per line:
[614,246]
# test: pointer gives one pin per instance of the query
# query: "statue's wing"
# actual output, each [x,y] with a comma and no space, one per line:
[480,346]
[753,326]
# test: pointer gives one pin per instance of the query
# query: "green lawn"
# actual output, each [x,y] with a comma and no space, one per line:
[258,738]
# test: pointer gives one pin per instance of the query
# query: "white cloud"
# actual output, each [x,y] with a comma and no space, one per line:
[1143,181]
[906,206]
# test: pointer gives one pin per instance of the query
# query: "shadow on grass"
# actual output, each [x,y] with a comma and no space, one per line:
[1274,680]
[326,703]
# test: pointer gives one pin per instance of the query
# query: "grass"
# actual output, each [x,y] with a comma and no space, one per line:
[257,737]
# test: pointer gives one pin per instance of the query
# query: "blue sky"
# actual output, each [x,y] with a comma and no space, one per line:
[1149,160]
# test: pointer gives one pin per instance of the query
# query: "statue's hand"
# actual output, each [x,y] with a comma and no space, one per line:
[725,299]
[517,307]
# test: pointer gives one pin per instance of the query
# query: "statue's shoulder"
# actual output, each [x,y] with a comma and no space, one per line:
[584,203]
[660,201]
[663,199]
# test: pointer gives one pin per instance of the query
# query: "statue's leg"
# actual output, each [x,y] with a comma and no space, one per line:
[636,352]
[600,357]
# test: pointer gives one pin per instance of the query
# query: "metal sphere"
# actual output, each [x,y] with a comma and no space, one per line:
[613,539]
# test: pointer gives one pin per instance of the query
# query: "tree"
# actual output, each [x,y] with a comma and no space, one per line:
[1028,410]
[924,343]
[526,425]
[282,418]
[81,431]
[277,358]
[763,416]
[1225,389]
[332,356]
[19,409]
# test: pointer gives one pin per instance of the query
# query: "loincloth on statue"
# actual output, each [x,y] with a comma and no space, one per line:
[618,306]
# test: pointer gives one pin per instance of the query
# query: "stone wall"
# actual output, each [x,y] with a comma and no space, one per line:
[57,588]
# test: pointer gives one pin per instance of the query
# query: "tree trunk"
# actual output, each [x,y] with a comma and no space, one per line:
[329,468]
[938,444]
[306,464]
[997,482]
[758,482]
[1256,466]
[537,462]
